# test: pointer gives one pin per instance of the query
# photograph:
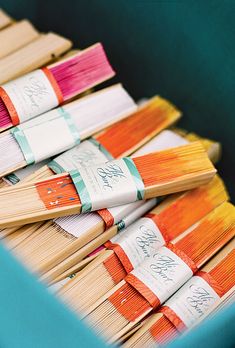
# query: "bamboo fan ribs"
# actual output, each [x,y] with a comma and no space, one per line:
[56,84]
[51,243]
[126,251]
[4,19]
[166,139]
[38,171]
[216,195]
[16,36]
[155,174]
[163,273]
[159,113]
[189,304]
[47,46]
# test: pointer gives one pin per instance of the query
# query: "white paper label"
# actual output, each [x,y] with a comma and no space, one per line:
[140,240]
[109,184]
[31,95]
[193,300]
[163,273]
[49,138]
[82,155]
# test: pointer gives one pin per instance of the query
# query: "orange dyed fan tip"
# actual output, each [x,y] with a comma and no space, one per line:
[209,235]
[139,240]
[159,173]
[197,297]
[137,129]
[169,219]
[142,288]
[182,211]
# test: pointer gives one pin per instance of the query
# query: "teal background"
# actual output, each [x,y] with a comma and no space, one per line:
[183,50]
[31,317]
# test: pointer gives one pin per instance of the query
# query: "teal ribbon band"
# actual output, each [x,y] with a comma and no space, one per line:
[81,190]
[12,178]
[121,225]
[73,129]
[23,144]
[56,167]
[136,176]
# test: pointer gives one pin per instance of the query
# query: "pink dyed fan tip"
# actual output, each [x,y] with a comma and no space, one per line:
[82,71]
[72,76]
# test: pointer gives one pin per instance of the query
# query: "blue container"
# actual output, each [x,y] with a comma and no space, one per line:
[183,50]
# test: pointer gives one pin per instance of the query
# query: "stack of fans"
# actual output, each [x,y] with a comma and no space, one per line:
[121,214]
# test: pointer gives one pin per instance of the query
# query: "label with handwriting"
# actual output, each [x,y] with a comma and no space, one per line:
[193,300]
[107,185]
[163,273]
[140,240]
[31,94]
[82,155]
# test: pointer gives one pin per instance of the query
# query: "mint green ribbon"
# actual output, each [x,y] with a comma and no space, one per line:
[23,144]
[81,190]
[56,167]
[136,176]
[101,148]
[12,178]
[72,127]
[121,225]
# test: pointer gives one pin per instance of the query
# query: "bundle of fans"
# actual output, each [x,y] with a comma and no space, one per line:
[117,211]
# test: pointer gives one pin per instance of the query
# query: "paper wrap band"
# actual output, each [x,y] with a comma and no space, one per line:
[89,152]
[159,276]
[30,95]
[106,185]
[137,243]
[59,132]
[192,301]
